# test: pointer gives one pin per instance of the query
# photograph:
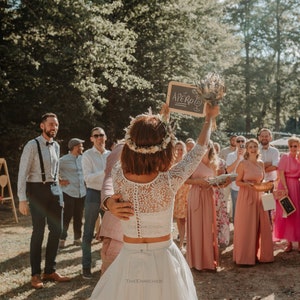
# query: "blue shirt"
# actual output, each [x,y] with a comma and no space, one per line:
[70,168]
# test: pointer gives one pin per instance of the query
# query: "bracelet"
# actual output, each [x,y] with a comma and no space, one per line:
[104,206]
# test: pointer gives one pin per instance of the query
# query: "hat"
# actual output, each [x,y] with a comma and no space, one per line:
[74,142]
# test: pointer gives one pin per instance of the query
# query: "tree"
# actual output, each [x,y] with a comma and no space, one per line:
[176,40]
[268,68]
[65,56]
[98,62]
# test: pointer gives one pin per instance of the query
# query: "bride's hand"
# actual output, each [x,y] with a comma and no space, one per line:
[212,110]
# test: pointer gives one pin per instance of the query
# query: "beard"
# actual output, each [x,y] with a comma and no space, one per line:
[50,133]
[264,142]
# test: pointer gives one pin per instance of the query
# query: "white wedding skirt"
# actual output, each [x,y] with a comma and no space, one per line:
[155,271]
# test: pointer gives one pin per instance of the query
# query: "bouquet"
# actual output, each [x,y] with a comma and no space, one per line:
[212,90]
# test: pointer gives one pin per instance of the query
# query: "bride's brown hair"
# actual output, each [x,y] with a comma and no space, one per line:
[147,131]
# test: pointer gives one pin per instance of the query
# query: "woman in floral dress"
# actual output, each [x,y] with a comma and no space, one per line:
[221,204]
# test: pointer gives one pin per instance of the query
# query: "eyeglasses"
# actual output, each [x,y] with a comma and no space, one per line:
[293,146]
[240,141]
[98,135]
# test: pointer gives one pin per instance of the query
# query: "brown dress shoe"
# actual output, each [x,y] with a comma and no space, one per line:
[56,277]
[36,282]
[61,244]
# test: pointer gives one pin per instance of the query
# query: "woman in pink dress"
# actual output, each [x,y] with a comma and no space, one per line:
[289,173]
[202,244]
[180,204]
[252,239]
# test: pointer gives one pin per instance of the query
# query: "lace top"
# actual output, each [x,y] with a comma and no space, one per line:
[153,201]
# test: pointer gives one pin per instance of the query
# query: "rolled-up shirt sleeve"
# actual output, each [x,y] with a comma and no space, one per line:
[24,169]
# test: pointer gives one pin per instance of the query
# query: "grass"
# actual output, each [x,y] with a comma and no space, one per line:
[279,280]
[15,267]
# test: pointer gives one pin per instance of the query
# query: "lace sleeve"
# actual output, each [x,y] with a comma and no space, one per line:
[180,172]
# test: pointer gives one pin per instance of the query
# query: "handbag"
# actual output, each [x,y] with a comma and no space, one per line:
[268,201]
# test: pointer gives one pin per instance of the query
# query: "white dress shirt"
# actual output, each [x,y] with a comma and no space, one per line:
[231,158]
[270,155]
[93,166]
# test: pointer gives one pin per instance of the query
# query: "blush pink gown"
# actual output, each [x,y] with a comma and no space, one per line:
[201,224]
[252,228]
[289,228]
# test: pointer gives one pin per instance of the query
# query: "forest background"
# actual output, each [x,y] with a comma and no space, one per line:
[96,63]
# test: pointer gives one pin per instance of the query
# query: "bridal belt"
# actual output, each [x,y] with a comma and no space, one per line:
[147,240]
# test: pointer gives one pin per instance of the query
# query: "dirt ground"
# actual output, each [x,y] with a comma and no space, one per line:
[279,280]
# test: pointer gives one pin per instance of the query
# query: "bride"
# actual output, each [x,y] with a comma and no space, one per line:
[150,265]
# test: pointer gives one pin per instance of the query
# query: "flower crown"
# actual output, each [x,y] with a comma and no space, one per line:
[168,138]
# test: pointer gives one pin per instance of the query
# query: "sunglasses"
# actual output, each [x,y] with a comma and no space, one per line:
[240,141]
[98,135]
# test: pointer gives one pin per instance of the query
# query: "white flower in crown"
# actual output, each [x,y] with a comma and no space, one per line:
[169,137]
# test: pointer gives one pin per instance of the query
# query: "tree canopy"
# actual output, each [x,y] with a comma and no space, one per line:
[96,63]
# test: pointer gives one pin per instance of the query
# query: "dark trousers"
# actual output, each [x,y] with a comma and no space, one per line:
[73,208]
[91,213]
[45,209]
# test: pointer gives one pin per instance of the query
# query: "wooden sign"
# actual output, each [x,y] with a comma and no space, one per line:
[184,98]
[287,206]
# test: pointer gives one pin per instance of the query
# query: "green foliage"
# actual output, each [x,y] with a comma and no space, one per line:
[98,62]
[268,68]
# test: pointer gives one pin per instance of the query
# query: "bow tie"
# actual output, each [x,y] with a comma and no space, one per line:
[49,143]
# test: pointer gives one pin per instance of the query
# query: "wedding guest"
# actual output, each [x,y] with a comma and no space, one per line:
[270,158]
[111,233]
[93,166]
[269,154]
[189,143]
[202,245]
[231,148]
[74,191]
[150,265]
[287,227]
[221,202]
[252,239]
[180,204]
[223,155]
[232,161]
[36,175]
